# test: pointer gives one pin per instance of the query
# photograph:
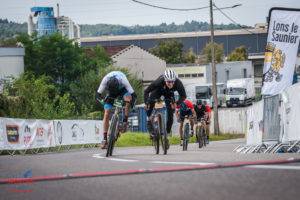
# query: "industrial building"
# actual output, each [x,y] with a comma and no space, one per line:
[254,40]
[47,23]
[11,64]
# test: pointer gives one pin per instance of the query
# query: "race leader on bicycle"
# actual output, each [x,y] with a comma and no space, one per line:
[165,85]
[203,110]
[117,85]
[186,108]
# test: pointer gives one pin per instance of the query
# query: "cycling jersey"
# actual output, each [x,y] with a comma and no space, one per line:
[123,82]
[200,112]
[159,86]
[185,109]
[186,105]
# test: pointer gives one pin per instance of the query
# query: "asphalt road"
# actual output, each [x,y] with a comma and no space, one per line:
[214,172]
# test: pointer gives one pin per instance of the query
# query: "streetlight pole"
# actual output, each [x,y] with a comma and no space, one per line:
[213,72]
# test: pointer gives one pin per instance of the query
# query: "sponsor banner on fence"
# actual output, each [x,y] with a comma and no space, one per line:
[255,123]
[18,134]
[281,50]
[290,111]
[70,132]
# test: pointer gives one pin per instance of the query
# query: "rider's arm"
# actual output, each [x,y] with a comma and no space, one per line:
[208,112]
[181,91]
[194,113]
[154,85]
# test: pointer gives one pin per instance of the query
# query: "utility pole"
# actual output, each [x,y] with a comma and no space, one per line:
[213,72]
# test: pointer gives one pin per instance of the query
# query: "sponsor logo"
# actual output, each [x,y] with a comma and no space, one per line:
[276,58]
[77,132]
[12,132]
[27,135]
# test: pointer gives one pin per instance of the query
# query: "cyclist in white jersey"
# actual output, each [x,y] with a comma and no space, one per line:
[115,84]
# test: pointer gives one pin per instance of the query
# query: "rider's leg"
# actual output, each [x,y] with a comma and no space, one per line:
[127,98]
[191,118]
[170,113]
[181,130]
[107,108]
[207,130]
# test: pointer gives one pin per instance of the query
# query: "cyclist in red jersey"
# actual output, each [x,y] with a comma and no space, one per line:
[185,108]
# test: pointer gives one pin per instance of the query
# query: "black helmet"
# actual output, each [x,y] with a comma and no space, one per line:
[113,85]
[199,102]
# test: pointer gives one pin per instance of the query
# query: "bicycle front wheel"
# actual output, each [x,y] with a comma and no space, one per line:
[163,135]
[186,136]
[112,135]
[156,136]
[199,136]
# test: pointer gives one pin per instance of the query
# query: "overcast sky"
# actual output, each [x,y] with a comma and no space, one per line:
[127,12]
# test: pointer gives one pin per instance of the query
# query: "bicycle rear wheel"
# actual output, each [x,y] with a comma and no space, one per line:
[112,135]
[186,136]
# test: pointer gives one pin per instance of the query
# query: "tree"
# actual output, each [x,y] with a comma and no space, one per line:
[238,54]
[169,50]
[219,52]
[37,97]
[189,57]
[54,56]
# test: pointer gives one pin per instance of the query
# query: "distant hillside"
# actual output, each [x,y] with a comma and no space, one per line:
[107,29]
[9,29]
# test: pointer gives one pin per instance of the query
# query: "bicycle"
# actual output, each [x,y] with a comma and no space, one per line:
[159,130]
[201,133]
[186,132]
[114,128]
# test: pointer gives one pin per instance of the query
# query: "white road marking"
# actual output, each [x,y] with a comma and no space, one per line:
[154,162]
[122,160]
[274,167]
[181,163]
[114,159]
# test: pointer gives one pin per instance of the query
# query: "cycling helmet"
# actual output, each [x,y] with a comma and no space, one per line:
[113,85]
[169,75]
[199,102]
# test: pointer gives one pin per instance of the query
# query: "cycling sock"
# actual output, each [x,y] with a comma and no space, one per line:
[105,135]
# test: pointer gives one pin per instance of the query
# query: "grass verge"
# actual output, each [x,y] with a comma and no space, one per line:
[142,139]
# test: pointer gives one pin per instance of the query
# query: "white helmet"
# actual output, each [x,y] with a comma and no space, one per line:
[170,75]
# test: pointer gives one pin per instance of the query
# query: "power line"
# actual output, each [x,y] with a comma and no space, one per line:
[165,8]
[232,19]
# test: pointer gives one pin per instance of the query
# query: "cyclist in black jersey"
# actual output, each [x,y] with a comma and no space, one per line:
[165,85]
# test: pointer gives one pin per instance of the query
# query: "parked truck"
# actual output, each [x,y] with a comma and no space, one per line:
[240,92]
[204,92]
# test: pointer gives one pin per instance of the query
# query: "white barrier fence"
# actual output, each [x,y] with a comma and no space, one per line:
[22,134]
[288,140]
